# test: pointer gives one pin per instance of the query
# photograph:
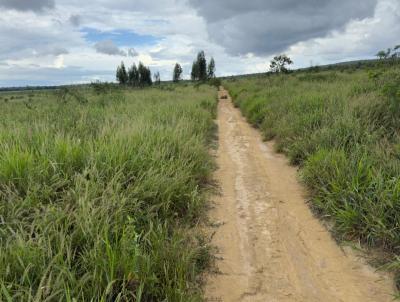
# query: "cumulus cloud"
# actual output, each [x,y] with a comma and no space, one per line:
[27,5]
[264,27]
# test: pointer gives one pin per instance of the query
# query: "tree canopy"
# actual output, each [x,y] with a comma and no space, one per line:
[279,64]
[133,75]
[176,77]
[136,76]
[211,69]
[200,70]
[122,75]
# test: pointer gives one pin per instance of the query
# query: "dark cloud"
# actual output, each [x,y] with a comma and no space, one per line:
[265,27]
[27,5]
[75,20]
[109,48]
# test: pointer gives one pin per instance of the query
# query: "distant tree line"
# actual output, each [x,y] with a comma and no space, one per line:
[139,76]
[201,71]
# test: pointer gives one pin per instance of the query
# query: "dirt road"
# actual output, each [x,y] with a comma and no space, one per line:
[271,247]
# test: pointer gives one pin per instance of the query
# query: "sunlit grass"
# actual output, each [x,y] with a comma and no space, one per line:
[98,200]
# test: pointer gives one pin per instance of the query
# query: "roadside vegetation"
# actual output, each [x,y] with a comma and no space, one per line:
[101,193]
[342,127]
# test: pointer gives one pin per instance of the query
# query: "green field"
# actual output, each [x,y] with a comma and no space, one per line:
[103,189]
[101,193]
[342,127]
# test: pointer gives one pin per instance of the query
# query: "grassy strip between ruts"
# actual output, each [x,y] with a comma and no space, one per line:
[343,129]
[100,195]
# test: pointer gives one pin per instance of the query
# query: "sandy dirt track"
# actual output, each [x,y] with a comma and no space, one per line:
[271,247]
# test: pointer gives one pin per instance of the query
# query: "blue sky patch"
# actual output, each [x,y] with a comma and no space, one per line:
[119,37]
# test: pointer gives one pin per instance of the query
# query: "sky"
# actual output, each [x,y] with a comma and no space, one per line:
[52,42]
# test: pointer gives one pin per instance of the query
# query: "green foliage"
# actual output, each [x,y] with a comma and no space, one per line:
[216,82]
[99,200]
[343,130]
[211,69]
[279,64]
[382,54]
[122,75]
[200,70]
[144,75]
[100,88]
[202,66]
[133,76]
[318,77]
[390,53]
[176,77]
[136,76]
[66,94]
[194,75]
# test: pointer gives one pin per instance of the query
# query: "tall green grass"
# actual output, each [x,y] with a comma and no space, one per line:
[343,129]
[99,199]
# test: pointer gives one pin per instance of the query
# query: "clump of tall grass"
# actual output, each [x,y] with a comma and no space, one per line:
[99,199]
[343,130]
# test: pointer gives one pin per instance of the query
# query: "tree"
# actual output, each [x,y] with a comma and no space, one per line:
[133,76]
[202,66]
[148,79]
[381,54]
[176,77]
[195,71]
[199,68]
[211,69]
[157,78]
[144,75]
[396,51]
[389,53]
[122,75]
[279,63]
